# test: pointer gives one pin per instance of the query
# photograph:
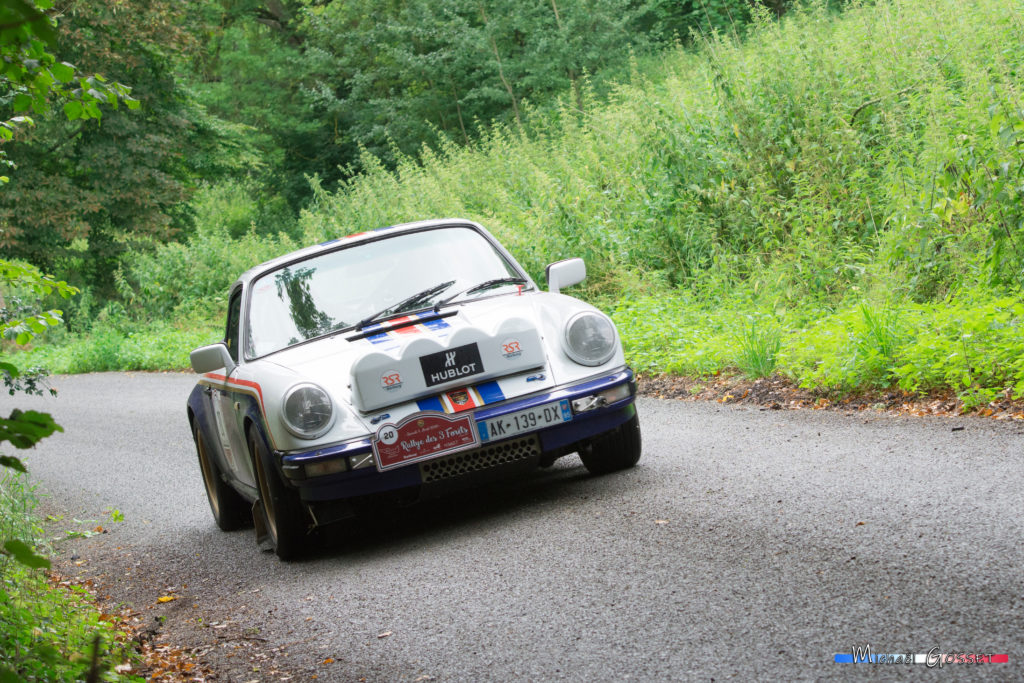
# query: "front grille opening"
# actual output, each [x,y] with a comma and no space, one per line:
[465,462]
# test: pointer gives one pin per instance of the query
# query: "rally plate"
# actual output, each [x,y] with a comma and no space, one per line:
[421,437]
[527,420]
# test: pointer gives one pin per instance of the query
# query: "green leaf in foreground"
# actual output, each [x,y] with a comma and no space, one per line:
[25,428]
[13,463]
[72,110]
[9,676]
[63,72]
[21,552]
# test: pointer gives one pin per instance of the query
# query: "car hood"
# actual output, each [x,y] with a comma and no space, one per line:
[411,357]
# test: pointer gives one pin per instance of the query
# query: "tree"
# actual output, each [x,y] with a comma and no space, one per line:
[255,71]
[324,80]
[88,190]
[32,75]
[396,72]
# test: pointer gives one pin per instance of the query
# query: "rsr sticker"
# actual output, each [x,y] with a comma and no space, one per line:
[391,380]
[511,348]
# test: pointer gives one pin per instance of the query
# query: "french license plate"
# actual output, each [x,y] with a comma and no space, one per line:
[527,420]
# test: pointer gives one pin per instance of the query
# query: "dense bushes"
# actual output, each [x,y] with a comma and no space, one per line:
[829,181]
[973,345]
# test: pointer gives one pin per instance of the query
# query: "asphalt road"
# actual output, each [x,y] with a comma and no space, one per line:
[746,545]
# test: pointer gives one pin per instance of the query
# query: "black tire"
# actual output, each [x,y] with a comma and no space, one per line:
[616,450]
[230,510]
[283,516]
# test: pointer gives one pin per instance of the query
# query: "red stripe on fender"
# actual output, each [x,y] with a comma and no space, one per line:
[248,385]
[241,382]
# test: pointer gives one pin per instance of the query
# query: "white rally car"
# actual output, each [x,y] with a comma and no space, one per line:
[394,365]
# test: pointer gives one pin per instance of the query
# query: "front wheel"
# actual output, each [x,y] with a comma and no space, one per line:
[282,515]
[230,510]
[616,450]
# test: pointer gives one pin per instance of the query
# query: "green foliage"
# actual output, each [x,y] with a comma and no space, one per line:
[32,75]
[43,632]
[254,72]
[769,163]
[47,632]
[673,333]
[22,552]
[852,183]
[675,19]
[86,192]
[972,344]
[236,208]
[199,273]
[26,429]
[324,81]
[21,320]
[758,350]
[427,65]
[127,345]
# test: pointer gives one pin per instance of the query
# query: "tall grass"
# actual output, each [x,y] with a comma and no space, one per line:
[818,155]
[973,345]
[759,350]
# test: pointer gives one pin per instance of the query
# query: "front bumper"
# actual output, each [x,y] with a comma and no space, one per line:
[557,439]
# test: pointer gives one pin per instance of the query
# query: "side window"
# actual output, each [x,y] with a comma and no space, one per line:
[234,314]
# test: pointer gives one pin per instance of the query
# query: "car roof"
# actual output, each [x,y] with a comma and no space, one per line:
[369,235]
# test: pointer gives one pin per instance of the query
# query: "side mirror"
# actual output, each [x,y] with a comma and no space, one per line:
[213,357]
[565,274]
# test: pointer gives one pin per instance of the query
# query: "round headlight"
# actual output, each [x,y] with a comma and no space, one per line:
[308,412]
[590,338]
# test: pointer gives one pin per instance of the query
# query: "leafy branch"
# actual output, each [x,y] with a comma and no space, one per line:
[33,77]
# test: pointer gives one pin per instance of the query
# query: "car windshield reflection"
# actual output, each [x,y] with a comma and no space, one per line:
[337,290]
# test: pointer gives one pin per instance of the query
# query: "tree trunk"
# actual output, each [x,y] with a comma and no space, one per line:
[458,110]
[577,91]
[501,72]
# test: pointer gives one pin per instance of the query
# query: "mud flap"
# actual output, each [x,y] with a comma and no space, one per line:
[259,522]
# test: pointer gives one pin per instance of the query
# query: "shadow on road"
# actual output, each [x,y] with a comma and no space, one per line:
[385,529]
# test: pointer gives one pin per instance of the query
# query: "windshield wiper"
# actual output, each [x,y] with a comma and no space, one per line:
[486,284]
[405,303]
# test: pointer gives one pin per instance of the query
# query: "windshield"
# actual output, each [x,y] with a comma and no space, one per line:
[339,289]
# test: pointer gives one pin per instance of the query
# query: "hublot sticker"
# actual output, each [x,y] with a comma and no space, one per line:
[453,364]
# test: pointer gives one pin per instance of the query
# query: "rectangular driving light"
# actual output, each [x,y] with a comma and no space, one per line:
[321,469]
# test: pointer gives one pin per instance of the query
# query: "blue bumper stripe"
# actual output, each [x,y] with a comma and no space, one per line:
[430,403]
[490,392]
